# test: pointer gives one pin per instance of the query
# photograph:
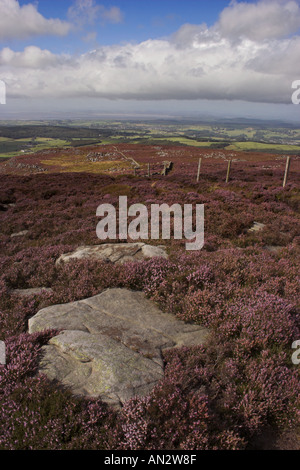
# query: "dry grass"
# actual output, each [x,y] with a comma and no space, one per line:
[78,164]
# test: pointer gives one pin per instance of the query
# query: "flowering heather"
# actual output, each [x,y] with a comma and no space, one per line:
[243,286]
[37,415]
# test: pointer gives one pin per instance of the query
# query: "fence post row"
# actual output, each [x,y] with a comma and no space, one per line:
[164,172]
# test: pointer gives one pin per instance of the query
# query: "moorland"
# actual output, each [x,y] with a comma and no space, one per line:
[238,391]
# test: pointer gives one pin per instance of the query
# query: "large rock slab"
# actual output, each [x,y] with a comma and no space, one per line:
[115,252]
[111,344]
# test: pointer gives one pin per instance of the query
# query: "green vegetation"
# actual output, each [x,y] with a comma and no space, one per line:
[30,136]
[261,147]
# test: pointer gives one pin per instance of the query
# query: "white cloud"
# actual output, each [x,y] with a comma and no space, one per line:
[83,11]
[111,15]
[197,62]
[264,20]
[24,21]
[90,37]
[89,12]
[31,58]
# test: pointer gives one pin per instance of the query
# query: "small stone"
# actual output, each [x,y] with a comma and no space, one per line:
[273,248]
[19,234]
[257,227]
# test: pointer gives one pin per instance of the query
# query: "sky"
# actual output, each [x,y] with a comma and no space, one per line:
[149,58]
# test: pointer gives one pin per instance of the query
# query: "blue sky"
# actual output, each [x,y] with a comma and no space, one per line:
[142,20]
[165,57]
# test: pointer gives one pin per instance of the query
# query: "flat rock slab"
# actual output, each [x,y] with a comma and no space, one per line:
[115,252]
[111,344]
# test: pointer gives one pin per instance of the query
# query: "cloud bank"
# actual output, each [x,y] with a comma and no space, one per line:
[251,54]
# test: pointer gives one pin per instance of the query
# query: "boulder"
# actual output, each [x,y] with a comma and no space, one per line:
[115,252]
[110,345]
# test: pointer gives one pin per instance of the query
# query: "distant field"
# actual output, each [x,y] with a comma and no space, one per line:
[13,147]
[257,146]
[185,141]
[26,137]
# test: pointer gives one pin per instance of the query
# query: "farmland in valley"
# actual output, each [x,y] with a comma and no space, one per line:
[29,137]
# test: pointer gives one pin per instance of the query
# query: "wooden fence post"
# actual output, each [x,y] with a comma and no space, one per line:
[199,168]
[228,171]
[287,170]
